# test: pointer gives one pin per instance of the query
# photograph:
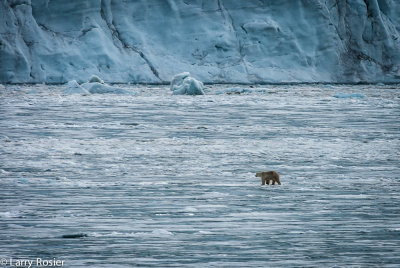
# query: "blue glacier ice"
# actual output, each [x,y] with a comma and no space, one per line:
[95,78]
[101,88]
[95,85]
[216,41]
[74,88]
[184,84]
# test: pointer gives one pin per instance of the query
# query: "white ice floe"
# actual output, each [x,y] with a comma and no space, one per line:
[74,88]
[161,233]
[184,84]
[95,78]
[99,88]
[9,214]
[95,85]
[190,209]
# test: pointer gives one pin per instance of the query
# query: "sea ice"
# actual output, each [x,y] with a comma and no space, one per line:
[233,90]
[161,233]
[99,88]
[93,86]
[239,90]
[74,88]
[184,84]
[95,78]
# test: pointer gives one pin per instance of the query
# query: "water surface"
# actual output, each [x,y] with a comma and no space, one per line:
[156,180]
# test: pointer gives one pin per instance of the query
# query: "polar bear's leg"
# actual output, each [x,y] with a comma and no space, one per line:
[266,179]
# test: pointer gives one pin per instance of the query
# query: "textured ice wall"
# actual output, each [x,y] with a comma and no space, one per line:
[217,41]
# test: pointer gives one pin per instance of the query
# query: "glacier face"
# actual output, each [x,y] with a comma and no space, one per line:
[252,41]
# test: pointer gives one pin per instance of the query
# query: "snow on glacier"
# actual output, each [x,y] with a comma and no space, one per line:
[216,41]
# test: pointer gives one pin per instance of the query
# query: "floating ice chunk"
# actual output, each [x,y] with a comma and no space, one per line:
[9,214]
[6,139]
[233,90]
[177,80]
[239,90]
[183,84]
[95,78]
[190,209]
[99,88]
[161,233]
[93,87]
[348,95]
[204,232]
[97,85]
[4,172]
[74,88]
[32,91]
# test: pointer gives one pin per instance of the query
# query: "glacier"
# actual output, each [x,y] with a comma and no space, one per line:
[222,41]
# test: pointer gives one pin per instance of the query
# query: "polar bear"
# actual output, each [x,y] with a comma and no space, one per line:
[267,176]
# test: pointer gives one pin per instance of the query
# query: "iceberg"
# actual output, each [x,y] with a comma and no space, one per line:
[184,84]
[74,88]
[99,88]
[95,85]
[95,78]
